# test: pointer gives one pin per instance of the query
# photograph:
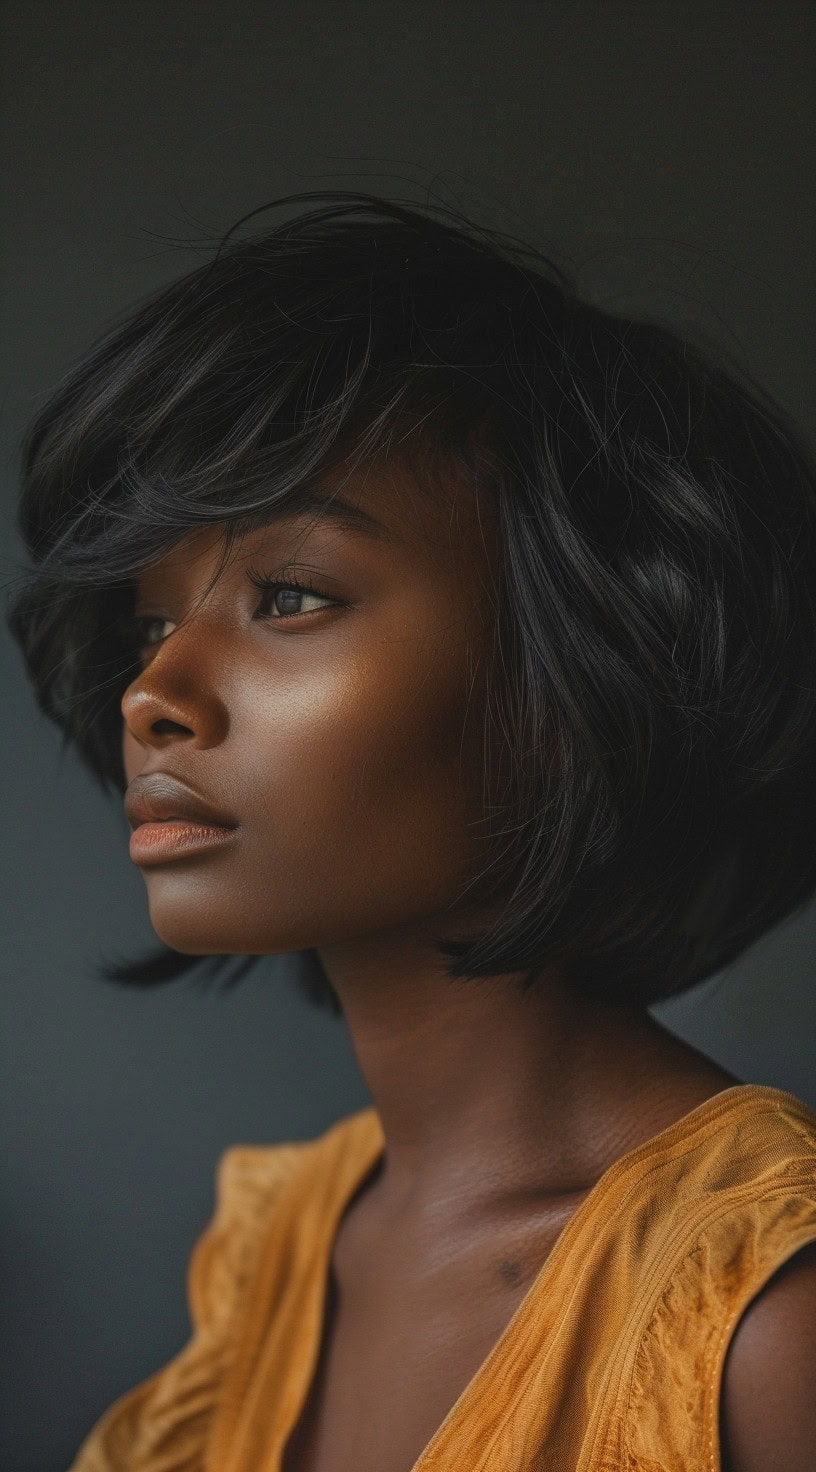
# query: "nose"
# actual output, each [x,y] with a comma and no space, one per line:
[175,698]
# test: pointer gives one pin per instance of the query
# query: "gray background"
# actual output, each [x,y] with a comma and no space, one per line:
[666,152]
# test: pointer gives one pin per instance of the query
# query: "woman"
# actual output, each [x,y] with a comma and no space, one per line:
[459,636]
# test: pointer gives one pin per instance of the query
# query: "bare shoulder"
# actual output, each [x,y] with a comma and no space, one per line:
[767,1402]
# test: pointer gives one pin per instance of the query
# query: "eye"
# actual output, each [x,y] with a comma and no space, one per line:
[287,598]
[140,626]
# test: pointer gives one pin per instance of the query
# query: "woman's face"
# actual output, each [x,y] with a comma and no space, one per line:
[344,737]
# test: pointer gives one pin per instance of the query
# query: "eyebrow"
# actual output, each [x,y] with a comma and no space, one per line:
[332,509]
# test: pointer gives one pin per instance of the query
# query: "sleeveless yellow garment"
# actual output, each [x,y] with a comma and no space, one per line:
[611,1362]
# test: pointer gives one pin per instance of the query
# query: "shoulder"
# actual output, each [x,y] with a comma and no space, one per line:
[768,1408]
[248,1181]
[728,1254]
[163,1421]
[252,1183]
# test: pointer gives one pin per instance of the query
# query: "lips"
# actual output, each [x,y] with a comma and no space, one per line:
[157,797]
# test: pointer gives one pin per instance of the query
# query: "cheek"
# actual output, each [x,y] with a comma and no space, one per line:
[369,779]
[356,779]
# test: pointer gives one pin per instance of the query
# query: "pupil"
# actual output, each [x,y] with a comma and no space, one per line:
[291,594]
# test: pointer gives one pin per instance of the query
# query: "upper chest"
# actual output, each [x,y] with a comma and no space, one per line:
[401,1343]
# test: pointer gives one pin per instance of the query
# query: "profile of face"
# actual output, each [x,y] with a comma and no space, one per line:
[341,728]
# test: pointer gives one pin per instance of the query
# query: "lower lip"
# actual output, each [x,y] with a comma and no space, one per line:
[156,842]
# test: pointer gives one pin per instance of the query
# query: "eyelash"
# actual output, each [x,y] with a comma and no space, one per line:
[267,585]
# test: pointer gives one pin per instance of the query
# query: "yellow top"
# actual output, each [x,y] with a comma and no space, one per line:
[611,1361]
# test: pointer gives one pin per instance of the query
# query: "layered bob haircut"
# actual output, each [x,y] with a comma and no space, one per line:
[652,701]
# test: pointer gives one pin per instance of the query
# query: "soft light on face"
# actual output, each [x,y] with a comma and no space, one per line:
[342,727]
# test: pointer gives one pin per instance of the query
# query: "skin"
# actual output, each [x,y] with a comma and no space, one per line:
[767,1405]
[346,742]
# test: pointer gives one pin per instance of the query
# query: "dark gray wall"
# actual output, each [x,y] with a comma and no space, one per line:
[666,150]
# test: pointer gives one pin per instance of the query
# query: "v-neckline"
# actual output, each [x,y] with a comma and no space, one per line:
[366,1143]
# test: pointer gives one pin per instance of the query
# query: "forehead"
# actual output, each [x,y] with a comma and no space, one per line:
[385,507]
[421,500]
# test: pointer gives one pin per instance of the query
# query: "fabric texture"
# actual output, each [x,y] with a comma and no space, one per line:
[612,1362]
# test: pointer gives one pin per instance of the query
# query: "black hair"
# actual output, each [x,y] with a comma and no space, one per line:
[654,704]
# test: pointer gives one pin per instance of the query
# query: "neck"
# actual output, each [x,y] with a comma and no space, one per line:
[484,1090]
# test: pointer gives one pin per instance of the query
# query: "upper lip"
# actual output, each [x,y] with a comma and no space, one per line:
[155,797]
